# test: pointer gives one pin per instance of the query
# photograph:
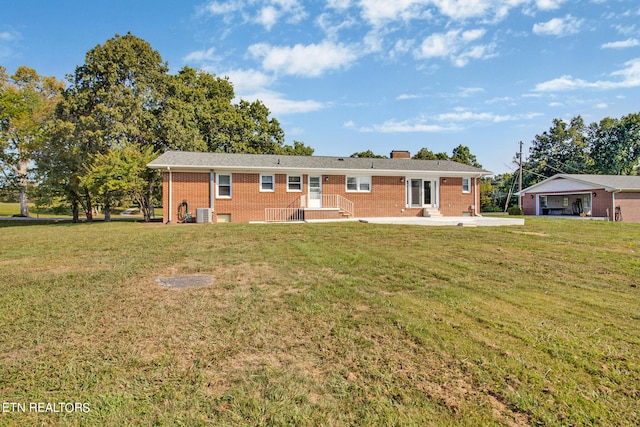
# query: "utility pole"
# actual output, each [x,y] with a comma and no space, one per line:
[519,155]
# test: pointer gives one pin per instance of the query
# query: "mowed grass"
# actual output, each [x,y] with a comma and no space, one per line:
[322,324]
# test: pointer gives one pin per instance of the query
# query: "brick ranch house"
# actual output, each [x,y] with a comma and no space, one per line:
[222,187]
[614,197]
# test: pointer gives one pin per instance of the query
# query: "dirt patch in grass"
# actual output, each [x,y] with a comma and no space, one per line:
[181,282]
[530,233]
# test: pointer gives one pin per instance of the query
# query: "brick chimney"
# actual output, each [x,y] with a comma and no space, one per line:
[400,154]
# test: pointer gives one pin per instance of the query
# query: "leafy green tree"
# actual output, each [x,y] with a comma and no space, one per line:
[198,115]
[462,154]
[193,110]
[27,103]
[121,173]
[615,145]
[298,149]
[113,99]
[425,154]
[564,148]
[368,154]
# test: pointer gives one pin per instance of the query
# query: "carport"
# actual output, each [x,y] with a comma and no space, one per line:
[615,197]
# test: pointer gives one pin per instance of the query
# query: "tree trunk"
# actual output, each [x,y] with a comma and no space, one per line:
[107,208]
[24,203]
[75,209]
[22,185]
[148,201]
[88,208]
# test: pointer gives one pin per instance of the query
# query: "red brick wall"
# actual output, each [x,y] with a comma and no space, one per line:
[190,186]
[630,206]
[453,202]
[387,197]
[248,203]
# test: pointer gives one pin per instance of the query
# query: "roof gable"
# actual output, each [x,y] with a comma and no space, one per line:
[578,182]
[196,160]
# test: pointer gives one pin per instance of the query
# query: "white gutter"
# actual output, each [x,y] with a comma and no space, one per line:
[327,171]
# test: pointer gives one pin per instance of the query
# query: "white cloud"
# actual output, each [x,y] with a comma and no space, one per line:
[307,61]
[602,105]
[406,96]
[558,26]
[549,4]
[7,36]
[247,81]
[407,126]
[267,17]
[470,91]
[224,8]
[376,11]
[630,77]
[200,55]
[339,4]
[279,105]
[252,84]
[463,116]
[462,9]
[453,44]
[621,44]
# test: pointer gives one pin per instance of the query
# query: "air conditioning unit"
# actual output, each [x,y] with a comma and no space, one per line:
[203,215]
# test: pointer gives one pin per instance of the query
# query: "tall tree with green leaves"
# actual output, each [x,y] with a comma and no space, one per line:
[368,154]
[113,100]
[426,154]
[198,114]
[27,102]
[615,145]
[564,148]
[462,154]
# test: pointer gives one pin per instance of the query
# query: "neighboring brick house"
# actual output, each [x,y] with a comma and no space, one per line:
[614,197]
[267,187]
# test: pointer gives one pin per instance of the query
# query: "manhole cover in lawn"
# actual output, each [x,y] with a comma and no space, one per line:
[179,282]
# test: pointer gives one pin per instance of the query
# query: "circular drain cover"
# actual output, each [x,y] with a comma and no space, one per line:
[178,282]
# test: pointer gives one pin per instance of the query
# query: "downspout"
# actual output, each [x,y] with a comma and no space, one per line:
[476,197]
[170,194]
[211,190]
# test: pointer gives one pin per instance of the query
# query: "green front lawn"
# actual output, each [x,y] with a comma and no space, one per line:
[322,324]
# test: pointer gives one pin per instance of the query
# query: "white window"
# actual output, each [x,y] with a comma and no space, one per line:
[267,183]
[224,186]
[294,183]
[466,185]
[359,183]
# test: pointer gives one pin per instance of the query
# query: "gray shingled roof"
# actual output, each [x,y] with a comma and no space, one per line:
[608,182]
[194,160]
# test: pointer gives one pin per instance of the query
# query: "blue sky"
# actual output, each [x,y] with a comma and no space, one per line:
[351,75]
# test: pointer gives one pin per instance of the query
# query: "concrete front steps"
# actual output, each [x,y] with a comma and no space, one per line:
[431,213]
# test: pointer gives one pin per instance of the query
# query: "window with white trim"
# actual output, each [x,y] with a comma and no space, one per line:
[294,183]
[267,183]
[223,186]
[359,183]
[466,185]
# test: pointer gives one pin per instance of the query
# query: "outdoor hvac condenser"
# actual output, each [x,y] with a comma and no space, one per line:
[203,215]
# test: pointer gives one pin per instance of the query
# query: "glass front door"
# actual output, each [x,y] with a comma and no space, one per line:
[422,193]
[315,192]
[416,193]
